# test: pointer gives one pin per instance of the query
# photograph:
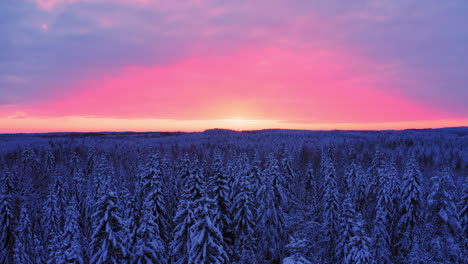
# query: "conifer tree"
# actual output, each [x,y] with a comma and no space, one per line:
[38,251]
[272,173]
[149,246]
[359,251]
[7,230]
[129,211]
[270,219]
[51,222]
[288,179]
[330,206]
[77,176]
[443,215]
[151,192]
[310,188]
[219,190]
[108,240]
[347,219]
[71,249]
[244,222]
[180,244]
[376,171]
[207,243]
[411,207]
[381,238]
[23,252]
[464,214]
[49,163]
[193,190]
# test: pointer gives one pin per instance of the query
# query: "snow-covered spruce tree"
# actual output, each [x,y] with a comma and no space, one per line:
[270,229]
[108,241]
[464,215]
[149,248]
[129,211]
[29,163]
[58,188]
[256,170]
[385,192]
[184,170]
[51,222]
[351,178]
[103,174]
[38,251]
[330,214]
[376,171]
[385,210]
[381,242]
[219,190]
[23,251]
[7,219]
[49,164]
[207,243]
[193,190]
[256,175]
[180,244]
[272,173]
[347,219]
[311,195]
[152,196]
[77,176]
[361,188]
[244,221]
[288,180]
[411,207]
[443,215]
[394,191]
[90,161]
[393,185]
[359,251]
[70,249]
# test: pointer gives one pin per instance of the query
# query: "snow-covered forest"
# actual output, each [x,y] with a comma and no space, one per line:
[235,197]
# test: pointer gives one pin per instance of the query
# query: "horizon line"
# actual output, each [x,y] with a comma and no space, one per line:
[230,130]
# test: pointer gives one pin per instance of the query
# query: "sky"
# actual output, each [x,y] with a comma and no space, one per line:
[170,65]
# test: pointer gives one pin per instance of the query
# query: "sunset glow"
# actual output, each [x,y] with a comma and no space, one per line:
[100,65]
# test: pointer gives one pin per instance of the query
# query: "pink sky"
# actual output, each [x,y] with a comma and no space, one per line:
[198,67]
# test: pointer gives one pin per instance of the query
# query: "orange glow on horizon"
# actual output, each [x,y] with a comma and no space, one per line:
[96,124]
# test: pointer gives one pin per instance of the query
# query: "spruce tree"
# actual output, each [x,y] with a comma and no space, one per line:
[193,190]
[359,251]
[23,252]
[443,214]
[270,219]
[331,208]
[7,219]
[108,240]
[51,222]
[219,190]
[71,249]
[149,246]
[347,219]
[244,222]
[464,215]
[49,163]
[411,207]
[381,242]
[129,211]
[207,243]
[152,196]
[180,244]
